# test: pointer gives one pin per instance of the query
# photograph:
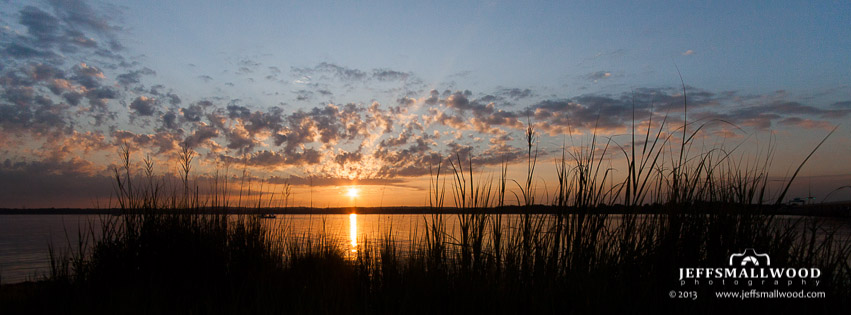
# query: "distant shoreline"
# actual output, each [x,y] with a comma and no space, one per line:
[824,210]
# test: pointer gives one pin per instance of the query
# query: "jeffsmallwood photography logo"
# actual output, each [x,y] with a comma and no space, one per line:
[750,268]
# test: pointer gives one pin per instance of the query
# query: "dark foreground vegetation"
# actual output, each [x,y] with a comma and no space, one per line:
[164,256]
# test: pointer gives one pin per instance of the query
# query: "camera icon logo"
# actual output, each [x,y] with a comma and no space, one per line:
[750,257]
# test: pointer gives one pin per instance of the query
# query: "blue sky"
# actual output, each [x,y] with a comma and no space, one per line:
[374,91]
[758,47]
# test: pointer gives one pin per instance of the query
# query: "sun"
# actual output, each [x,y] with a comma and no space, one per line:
[353,192]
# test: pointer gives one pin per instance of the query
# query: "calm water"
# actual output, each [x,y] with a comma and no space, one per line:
[24,239]
[24,242]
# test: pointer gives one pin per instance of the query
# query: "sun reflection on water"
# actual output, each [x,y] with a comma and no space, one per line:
[353,231]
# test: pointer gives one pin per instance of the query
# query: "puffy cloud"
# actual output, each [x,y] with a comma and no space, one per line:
[763,115]
[133,77]
[413,160]
[49,74]
[173,99]
[144,106]
[272,160]
[194,112]
[239,139]
[615,112]
[201,135]
[163,141]
[348,157]
[40,24]
[22,51]
[104,92]
[72,27]
[406,101]
[318,181]
[486,118]
[433,97]
[72,98]
[458,101]
[169,120]
[22,109]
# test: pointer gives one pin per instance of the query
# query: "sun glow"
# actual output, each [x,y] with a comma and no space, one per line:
[353,192]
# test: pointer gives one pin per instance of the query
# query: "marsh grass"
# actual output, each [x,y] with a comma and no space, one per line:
[677,209]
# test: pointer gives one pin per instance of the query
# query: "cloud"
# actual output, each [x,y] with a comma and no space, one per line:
[272,160]
[329,71]
[144,106]
[843,104]
[515,93]
[390,75]
[807,123]
[72,98]
[87,76]
[459,101]
[201,135]
[41,25]
[348,157]
[21,51]
[507,96]
[763,115]
[611,54]
[173,99]
[596,76]
[433,97]
[52,183]
[338,72]
[320,181]
[615,112]
[485,118]
[72,27]
[688,52]
[169,120]
[56,32]
[194,112]
[162,141]
[303,95]
[412,160]
[133,77]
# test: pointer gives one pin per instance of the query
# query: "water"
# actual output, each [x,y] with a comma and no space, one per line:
[24,239]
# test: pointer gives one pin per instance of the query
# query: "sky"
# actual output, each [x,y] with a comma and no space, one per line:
[327,96]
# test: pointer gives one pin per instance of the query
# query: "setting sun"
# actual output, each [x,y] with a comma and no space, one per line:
[353,192]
